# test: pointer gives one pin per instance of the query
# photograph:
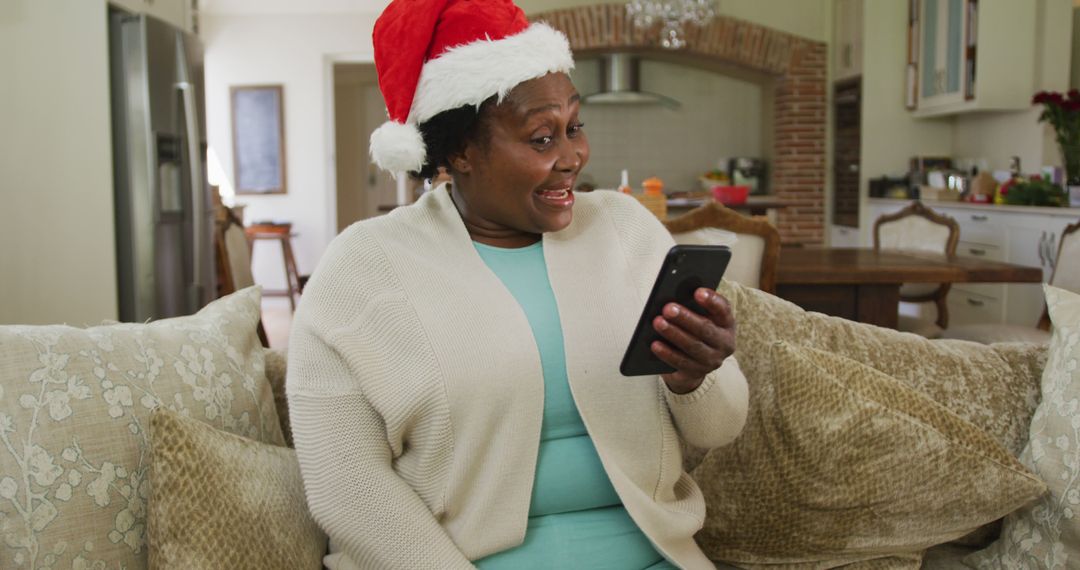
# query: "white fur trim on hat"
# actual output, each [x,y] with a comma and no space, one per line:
[470,73]
[398,148]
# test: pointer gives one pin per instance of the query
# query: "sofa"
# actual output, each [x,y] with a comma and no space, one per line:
[166,444]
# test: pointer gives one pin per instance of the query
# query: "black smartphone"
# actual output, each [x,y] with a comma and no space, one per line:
[685,269]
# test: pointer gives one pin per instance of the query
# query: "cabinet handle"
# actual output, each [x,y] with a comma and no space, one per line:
[975,251]
[1051,251]
[1042,254]
[979,218]
[975,302]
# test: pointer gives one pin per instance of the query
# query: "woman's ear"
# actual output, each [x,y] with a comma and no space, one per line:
[460,163]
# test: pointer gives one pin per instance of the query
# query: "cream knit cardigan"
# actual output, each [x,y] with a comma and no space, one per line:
[416,393]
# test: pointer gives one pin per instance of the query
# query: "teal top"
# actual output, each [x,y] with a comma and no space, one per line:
[576,519]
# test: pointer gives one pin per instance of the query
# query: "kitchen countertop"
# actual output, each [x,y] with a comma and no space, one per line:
[1071,212]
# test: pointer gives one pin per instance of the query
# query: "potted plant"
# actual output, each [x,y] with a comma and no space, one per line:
[1062,111]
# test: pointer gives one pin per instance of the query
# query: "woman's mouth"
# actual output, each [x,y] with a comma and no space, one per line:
[557,197]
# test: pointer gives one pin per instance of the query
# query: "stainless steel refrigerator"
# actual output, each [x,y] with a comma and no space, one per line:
[164,216]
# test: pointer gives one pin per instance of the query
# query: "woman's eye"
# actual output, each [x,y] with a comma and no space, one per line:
[576,128]
[542,141]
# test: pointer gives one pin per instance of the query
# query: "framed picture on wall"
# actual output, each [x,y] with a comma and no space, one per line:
[258,138]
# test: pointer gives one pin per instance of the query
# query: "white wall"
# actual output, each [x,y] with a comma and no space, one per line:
[294,50]
[57,260]
[720,117]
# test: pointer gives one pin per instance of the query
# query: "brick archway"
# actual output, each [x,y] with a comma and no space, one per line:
[797,67]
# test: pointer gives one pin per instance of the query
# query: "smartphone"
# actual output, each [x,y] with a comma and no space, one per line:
[685,269]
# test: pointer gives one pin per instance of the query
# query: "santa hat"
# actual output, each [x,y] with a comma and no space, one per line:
[437,55]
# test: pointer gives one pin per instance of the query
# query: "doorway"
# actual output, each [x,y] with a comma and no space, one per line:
[363,191]
[847,97]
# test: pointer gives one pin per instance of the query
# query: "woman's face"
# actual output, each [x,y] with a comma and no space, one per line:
[516,181]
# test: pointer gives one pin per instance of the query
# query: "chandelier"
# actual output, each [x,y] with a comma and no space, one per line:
[675,14]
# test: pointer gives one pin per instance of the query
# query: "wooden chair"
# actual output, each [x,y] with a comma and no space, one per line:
[918,228]
[234,258]
[1066,275]
[754,242]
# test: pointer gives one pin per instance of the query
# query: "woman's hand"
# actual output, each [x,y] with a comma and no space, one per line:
[695,344]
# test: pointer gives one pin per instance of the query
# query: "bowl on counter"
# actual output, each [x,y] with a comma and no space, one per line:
[730,195]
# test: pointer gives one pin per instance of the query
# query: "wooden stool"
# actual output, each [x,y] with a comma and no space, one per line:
[283,234]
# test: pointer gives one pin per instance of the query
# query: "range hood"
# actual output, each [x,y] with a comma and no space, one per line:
[620,84]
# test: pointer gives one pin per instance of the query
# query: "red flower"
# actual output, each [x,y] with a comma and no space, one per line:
[1074,94]
[1071,105]
[1040,97]
[1055,98]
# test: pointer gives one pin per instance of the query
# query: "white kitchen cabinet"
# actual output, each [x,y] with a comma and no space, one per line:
[1013,234]
[975,55]
[847,39]
[941,46]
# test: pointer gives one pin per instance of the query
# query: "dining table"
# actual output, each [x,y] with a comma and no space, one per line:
[863,284]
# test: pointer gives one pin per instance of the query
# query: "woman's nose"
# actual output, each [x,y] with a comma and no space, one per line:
[570,156]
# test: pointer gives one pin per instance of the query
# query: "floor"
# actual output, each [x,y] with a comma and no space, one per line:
[277,318]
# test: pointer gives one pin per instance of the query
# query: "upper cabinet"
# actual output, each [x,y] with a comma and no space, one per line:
[971,55]
[847,39]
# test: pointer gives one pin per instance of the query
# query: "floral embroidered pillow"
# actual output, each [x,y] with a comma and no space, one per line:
[1046,534]
[74,411]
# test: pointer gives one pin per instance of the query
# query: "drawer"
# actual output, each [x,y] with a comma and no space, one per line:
[979,227]
[979,250]
[968,308]
[995,291]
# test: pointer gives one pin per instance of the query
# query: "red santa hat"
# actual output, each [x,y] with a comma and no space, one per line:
[437,55]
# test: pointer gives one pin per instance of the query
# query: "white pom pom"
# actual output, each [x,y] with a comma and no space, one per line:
[398,147]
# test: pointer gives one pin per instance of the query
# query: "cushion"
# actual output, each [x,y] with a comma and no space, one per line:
[219,500]
[74,411]
[1047,533]
[994,387]
[841,463]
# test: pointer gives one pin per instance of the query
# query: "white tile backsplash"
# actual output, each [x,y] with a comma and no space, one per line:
[720,117]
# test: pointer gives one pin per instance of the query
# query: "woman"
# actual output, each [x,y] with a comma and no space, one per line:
[453,383]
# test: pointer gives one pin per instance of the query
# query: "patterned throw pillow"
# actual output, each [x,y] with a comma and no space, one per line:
[219,500]
[1047,533]
[74,410]
[840,463]
[995,387]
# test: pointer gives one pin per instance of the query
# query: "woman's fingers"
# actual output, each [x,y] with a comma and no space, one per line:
[717,307]
[715,329]
[680,361]
[697,345]
[694,344]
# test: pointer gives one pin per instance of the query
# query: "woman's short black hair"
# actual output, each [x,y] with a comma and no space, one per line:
[447,133]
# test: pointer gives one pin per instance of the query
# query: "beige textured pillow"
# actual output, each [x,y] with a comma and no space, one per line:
[841,463]
[74,411]
[995,387]
[1046,534]
[219,500]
